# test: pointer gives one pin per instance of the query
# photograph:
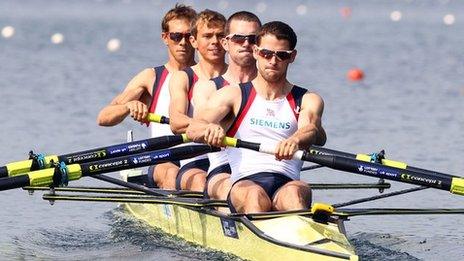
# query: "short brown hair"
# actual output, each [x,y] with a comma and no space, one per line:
[179,11]
[280,30]
[241,16]
[210,18]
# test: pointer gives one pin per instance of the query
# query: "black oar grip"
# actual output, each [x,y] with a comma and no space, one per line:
[164,120]
[3,172]
[248,145]
[14,182]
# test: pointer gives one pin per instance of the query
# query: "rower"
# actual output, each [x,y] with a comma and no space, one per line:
[269,109]
[207,32]
[148,91]
[241,29]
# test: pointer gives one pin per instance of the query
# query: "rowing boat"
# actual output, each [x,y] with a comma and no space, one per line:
[317,233]
[292,235]
[289,236]
[285,235]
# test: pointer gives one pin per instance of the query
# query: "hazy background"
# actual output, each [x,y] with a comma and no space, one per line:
[410,104]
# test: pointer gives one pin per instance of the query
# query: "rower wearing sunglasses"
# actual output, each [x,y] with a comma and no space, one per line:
[267,110]
[241,29]
[207,32]
[148,91]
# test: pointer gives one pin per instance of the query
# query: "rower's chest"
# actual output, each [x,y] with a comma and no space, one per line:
[269,117]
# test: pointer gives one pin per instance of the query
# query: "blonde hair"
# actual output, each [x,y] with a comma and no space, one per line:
[209,18]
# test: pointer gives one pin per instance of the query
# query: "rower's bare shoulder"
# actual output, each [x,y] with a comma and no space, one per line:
[179,81]
[313,100]
[225,95]
[146,76]
[148,72]
[230,96]
[310,95]
[230,92]
[232,88]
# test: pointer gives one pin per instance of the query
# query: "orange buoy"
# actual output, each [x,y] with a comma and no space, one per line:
[355,74]
[345,12]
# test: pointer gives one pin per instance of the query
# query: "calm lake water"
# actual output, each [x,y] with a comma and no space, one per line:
[411,104]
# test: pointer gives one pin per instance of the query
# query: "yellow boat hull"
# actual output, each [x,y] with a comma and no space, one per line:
[292,237]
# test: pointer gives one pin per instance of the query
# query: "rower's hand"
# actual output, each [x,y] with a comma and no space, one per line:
[196,130]
[214,134]
[286,148]
[137,110]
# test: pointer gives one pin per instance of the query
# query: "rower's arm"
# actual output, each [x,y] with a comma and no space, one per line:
[310,130]
[220,104]
[178,89]
[138,89]
[209,119]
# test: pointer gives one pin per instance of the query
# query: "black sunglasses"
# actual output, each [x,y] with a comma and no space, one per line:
[267,54]
[240,39]
[177,37]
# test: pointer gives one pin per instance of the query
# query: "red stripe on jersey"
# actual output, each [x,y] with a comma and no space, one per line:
[158,90]
[190,93]
[291,101]
[233,129]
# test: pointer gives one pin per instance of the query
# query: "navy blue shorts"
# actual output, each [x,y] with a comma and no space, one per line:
[151,182]
[224,168]
[202,164]
[269,181]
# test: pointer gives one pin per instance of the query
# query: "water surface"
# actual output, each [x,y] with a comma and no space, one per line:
[410,104]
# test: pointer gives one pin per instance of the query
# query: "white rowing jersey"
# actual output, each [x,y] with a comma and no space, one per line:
[192,80]
[266,122]
[160,101]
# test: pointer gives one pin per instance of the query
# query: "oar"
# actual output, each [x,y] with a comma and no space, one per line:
[324,151]
[43,162]
[345,213]
[128,191]
[351,212]
[61,174]
[178,201]
[454,184]
[368,158]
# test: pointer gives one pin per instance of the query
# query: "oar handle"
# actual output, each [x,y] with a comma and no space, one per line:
[157,118]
